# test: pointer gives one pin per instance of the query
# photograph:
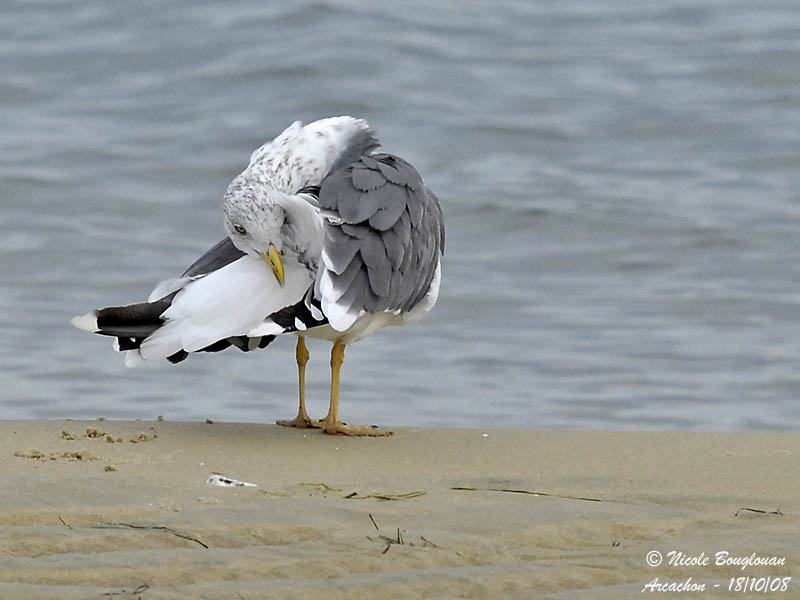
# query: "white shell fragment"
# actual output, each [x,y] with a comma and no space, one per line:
[223,481]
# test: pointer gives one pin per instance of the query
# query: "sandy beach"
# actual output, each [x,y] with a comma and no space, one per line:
[107,509]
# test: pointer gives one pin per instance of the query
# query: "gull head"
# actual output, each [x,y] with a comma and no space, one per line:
[258,223]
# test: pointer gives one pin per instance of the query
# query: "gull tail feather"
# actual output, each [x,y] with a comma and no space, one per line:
[131,321]
[130,325]
[133,324]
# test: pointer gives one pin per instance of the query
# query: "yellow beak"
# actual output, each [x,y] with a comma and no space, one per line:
[274,262]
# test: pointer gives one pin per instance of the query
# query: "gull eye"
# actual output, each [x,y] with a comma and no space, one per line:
[239,229]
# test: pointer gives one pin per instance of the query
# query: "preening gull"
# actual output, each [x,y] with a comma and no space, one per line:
[326,239]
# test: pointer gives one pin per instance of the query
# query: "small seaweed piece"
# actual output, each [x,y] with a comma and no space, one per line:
[388,497]
[324,486]
[33,453]
[391,540]
[139,590]
[532,493]
[427,542]
[777,511]
[184,536]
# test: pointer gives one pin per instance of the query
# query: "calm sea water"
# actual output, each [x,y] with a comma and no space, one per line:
[621,184]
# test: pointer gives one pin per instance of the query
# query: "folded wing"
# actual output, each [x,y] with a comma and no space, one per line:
[384,236]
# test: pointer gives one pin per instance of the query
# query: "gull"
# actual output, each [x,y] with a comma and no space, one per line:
[326,238]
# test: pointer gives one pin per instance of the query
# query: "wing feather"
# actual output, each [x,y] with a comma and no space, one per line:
[394,247]
[338,249]
[228,302]
[383,239]
[365,179]
[334,286]
[220,254]
[394,199]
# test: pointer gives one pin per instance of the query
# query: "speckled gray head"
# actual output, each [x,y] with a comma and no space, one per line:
[271,225]
[255,218]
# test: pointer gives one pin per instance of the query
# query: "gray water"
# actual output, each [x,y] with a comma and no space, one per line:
[621,183]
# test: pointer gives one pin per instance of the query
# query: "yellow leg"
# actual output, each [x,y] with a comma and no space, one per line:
[302,419]
[337,358]
[331,423]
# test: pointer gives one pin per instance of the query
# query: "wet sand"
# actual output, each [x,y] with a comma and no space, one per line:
[110,509]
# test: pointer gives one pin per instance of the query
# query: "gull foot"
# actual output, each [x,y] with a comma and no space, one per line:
[339,428]
[300,422]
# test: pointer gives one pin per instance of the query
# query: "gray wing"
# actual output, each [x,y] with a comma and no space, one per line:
[384,234]
[220,254]
[360,144]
